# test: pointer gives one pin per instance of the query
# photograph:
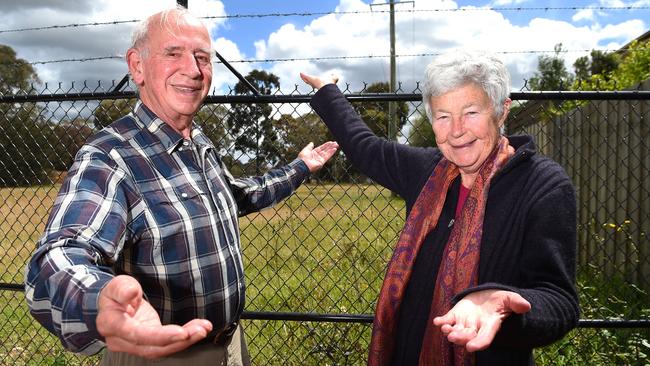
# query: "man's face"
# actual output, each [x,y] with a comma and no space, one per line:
[175,72]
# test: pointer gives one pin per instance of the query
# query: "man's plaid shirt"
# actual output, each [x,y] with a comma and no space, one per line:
[140,200]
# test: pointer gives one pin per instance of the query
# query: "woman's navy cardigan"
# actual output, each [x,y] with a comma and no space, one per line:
[528,244]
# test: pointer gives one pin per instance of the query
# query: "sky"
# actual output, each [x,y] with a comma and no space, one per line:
[347,37]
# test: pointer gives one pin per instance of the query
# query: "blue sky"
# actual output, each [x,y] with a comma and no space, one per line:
[323,44]
[248,30]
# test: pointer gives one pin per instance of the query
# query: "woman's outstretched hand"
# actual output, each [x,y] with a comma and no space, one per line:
[317,82]
[475,320]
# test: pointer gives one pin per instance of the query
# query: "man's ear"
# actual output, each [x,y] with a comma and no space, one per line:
[135,63]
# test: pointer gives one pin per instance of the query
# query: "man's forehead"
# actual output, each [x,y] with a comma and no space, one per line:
[178,36]
[173,23]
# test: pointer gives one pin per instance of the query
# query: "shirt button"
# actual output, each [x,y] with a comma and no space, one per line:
[184,195]
[186,143]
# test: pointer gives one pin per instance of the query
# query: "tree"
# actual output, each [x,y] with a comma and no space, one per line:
[551,72]
[376,114]
[69,137]
[251,123]
[421,133]
[635,66]
[110,111]
[598,63]
[16,74]
[213,121]
[24,137]
[631,68]
[296,133]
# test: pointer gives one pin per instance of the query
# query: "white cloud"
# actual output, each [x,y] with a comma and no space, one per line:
[429,32]
[221,76]
[341,41]
[83,42]
[584,14]
[508,2]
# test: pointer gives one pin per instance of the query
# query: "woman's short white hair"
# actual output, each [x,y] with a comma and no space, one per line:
[457,68]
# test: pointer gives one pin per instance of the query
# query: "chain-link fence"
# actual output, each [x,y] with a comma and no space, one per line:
[314,263]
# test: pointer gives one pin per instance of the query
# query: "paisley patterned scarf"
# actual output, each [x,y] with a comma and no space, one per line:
[458,269]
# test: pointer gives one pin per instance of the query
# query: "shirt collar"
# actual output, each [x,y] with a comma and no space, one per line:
[169,138]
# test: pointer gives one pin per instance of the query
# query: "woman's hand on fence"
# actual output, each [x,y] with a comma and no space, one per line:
[474,321]
[317,82]
[130,324]
[315,158]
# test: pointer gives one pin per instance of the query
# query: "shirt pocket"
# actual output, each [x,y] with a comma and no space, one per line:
[172,214]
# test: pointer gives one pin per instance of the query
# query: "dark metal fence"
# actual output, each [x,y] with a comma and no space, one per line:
[314,263]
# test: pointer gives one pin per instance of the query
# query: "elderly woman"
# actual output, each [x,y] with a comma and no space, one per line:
[484,269]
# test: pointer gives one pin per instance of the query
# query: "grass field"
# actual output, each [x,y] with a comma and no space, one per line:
[323,250]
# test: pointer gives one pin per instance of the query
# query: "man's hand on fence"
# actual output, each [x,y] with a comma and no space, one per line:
[130,324]
[475,320]
[318,82]
[315,158]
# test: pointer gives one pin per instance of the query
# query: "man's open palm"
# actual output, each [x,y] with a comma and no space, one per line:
[130,324]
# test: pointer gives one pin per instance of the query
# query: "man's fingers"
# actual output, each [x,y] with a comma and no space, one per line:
[162,335]
[129,295]
[201,326]
[150,351]
[328,149]
[123,290]
[117,344]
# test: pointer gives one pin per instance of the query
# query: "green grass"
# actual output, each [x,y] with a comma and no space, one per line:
[324,250]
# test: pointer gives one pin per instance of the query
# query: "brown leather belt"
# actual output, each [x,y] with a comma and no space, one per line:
[220,337]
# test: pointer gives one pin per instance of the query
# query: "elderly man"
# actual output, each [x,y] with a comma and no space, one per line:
[141,252]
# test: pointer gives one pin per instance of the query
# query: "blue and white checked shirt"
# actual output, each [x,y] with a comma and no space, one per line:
[140,200]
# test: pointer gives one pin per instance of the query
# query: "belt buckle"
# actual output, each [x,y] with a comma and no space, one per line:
[225,333]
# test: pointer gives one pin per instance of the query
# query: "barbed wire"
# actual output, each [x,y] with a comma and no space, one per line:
[323,58]
[74,25]
[305,14]
[76,60]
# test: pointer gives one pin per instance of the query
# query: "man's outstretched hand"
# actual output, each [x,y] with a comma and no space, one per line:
[315,158]
[130,324]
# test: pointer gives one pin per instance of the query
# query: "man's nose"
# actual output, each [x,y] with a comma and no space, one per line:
[190,66]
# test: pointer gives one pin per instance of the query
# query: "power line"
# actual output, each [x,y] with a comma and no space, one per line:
[306,14]
[324,58]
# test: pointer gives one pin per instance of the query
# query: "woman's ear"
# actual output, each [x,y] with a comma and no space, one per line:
[506,109]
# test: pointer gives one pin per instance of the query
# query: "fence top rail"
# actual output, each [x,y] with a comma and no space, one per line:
[353,97]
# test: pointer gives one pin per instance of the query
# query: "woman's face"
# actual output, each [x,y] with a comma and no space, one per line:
[465,126]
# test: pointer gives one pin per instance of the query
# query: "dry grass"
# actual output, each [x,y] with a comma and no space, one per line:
[23,213]
[322,250]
